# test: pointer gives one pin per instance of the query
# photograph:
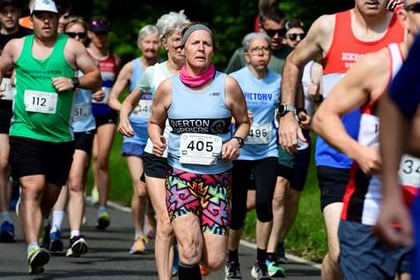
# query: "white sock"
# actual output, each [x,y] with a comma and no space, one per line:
[57,220]
[101,210]
[5,215]
[74,233]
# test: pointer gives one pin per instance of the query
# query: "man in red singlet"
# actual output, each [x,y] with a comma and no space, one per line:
[340,39]
[362,255]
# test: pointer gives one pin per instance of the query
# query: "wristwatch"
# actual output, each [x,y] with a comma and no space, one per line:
[75,82]
[282,109]
[240,140]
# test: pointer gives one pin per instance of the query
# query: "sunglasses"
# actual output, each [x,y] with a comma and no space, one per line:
[272,32]
[415,7]
[81,35]
[294,36]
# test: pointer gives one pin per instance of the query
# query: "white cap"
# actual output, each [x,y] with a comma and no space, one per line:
[44,6]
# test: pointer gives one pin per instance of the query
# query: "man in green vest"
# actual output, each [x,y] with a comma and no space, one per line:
[41,139]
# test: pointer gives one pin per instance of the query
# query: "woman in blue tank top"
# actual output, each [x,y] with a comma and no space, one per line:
[199,103]
[133,147]
[259,156]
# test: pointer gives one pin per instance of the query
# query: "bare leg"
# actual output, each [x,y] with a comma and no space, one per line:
[164,231]
[330,269]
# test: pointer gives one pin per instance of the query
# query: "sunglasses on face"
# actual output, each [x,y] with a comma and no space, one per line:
[81,35]
[415,7]
[272,32]
[294,36]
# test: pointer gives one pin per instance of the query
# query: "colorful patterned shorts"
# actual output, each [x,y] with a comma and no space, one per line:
[208,196]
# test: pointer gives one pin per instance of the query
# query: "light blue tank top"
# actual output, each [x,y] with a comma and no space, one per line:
[262,97]
[83,119]
[141,113]
[202,113]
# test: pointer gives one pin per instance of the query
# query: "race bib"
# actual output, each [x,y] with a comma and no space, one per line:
[143,109]
[409,171]
[81,111]
[259,134]
[40,101]
[9,90]
[201,149]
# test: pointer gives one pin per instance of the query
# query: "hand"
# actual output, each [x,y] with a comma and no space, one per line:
[369,160]
[125,128]
[304,120]
[62,84]
[230,150]
[289,131]
[98,95]
[394,211]
[159,146]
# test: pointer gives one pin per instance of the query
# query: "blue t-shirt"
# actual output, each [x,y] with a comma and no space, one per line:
[262,97]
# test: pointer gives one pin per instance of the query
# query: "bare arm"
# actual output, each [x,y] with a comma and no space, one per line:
[315,44]
[91,78]
[120,84]
[360,85]
[236,102]
[9,54]
[128,105]
[160,105]
[394,135]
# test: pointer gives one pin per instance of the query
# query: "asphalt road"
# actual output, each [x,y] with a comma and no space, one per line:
[108,256]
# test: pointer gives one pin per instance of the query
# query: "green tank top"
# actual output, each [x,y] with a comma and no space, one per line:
[39,112]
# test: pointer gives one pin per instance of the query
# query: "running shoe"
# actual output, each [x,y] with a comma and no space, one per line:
[7,232]
[139,246]
[232,270]
[78,246]
[274,269]
[56,245]
[259,271]
[103,221]
[37,258]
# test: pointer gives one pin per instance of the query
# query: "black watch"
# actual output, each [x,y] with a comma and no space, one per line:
[240,140]
[282,109]
[75,82]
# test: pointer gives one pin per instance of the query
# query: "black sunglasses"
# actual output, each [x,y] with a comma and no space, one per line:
[294,36]
[272,32]
[81,35]
[415,7]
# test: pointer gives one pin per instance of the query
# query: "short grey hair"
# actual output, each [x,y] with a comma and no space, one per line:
[252,36]
[171,22]
[147,30]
